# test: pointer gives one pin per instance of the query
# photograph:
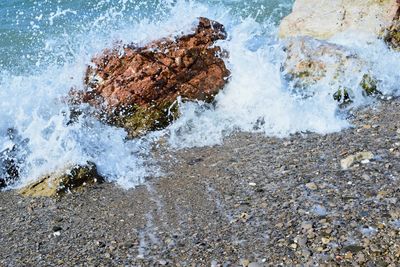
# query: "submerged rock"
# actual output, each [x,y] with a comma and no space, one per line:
[137,87]
[11,156]
[392,36]
[9,169]
[59,183]
[323,19]
[310,61]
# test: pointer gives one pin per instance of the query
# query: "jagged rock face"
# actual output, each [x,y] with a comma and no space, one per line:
[322,19]
[57,184]
[310,61]
[136,88]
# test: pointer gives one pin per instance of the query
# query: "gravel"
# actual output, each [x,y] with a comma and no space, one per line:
[253,201]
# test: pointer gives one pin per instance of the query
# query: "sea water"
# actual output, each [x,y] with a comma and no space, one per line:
[45,47]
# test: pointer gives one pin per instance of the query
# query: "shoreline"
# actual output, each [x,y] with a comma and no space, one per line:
[254,199]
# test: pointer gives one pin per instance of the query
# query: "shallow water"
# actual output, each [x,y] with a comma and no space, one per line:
[45,46]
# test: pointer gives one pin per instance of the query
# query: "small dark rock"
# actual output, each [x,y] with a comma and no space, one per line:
[57,228]
[353,248]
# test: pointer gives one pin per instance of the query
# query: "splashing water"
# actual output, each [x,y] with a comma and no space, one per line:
[45,46]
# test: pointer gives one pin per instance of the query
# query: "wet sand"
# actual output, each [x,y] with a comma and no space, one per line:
[254,200]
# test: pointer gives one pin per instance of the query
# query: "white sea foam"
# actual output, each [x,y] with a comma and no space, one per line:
[256,99]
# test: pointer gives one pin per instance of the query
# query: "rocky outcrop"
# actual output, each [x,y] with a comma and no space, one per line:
[310,61]
[57,184]
[322,19]
[136,87]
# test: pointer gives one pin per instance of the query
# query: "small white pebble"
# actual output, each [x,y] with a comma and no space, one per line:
[58,233]
[252,184]
[365,161]
[349,183]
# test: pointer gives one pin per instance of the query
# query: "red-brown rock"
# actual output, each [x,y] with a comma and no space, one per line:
[136,88]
